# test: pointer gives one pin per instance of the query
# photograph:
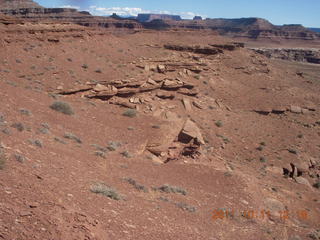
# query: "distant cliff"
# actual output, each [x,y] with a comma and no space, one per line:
[15,4]
[151,17]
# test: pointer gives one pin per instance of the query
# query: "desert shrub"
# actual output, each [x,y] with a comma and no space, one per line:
[263,159]
[219,123]
[171,189]
[260,148]
[130,113]
[101,188]
[18,126]
[72,137]
[100,154]
[25,112]
[59,140]
[62,107]
[19,158]
[36,142]
[293,151]
[185,207]
[126,154]
[317,184]
[113,146]
[3,159]
[136,185]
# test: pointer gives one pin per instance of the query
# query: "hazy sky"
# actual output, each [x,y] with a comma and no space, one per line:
[306,12]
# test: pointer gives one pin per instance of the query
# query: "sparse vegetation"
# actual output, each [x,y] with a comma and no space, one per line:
[73,137]
[3,159]
[19,158]
[293,151]
[100,148]
[317,184]
[219,123]
[171,189]
[130,113]
[185,207]
[25,112]
[136,185]
[263,159]
[19,126]
[59,140]
[260,148]
[62,107]
[126,154]
[100,154]
[113,146]
[101,188]
[85,66]
[36,142]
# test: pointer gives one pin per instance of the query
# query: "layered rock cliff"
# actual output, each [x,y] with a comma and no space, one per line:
[16,4]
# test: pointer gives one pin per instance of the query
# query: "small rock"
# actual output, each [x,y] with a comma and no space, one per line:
[33,205]
[303,181]
[197,104]
[295,109]
[191,131]
[161,68]
[165,95]
[25,214]
[187,104]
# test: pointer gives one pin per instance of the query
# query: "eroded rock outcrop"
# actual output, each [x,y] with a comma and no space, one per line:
[291,54]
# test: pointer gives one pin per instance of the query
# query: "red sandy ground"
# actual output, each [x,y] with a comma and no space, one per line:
[48,195]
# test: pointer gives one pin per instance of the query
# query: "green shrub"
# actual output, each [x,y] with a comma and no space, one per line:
[72,137]
[3,160]
[62,107]
[130,113]
[101,188]
[219,123]
[171,189]
[136,185]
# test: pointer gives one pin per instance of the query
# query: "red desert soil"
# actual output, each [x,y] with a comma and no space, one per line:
[253,126]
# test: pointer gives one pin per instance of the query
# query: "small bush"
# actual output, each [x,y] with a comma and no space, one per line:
[62,107]
[263,159]
[130,113]
[72,137]
[126,154]
[317,185]
[85,66]
[101,188]
[3,160]
[25,112]
[59,140]
[171,189]
[113,146]
[136,185]
[293,151]
[37,143]
[219,123]
[99,148]
[100,154]
[260,148]
[19,158]
[18,126]
[185,207]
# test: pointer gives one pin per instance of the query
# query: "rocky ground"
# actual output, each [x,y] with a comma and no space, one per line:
[154,135]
